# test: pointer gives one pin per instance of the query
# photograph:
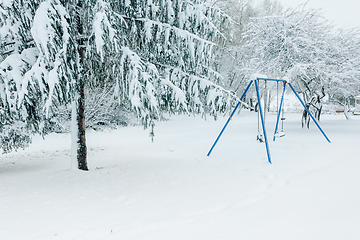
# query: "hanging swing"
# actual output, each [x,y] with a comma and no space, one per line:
[259,136]
[279,108]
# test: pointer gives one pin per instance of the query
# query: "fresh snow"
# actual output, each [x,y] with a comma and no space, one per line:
[169,189]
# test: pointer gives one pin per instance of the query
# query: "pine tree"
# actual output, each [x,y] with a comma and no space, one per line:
[155,55]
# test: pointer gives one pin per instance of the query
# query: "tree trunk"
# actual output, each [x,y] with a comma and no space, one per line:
[82,150]
[346,109]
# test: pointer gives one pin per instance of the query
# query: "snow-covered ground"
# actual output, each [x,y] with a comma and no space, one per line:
[169,189]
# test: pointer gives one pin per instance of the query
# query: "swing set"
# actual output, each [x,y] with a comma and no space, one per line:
[261,113]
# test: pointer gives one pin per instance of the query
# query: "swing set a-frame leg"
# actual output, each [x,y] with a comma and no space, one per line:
[232,114]
[263,123]
[312,117]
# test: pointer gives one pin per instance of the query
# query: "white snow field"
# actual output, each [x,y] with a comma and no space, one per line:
[170,189]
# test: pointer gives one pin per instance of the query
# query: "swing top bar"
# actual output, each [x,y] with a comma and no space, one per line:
[274,80]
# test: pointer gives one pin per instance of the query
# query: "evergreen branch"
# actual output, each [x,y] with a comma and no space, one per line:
[208,82]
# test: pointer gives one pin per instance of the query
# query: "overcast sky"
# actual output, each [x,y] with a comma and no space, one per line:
[344,13]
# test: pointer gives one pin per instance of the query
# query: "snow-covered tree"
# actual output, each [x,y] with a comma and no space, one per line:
[300,45]
[174,40]
[156,56]
[289,44]
[343,67]
[227,51]
[229,54]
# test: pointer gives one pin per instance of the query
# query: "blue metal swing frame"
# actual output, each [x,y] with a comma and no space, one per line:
[262,115]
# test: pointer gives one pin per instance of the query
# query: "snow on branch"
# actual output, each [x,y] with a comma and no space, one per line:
[51,35]
[12,71]
[184,34]
[103,29]
[49,19]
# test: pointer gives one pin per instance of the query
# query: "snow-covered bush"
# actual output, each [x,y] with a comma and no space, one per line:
[101,111]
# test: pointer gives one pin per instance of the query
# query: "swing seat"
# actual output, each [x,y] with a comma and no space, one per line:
[280,134]
[260,138]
